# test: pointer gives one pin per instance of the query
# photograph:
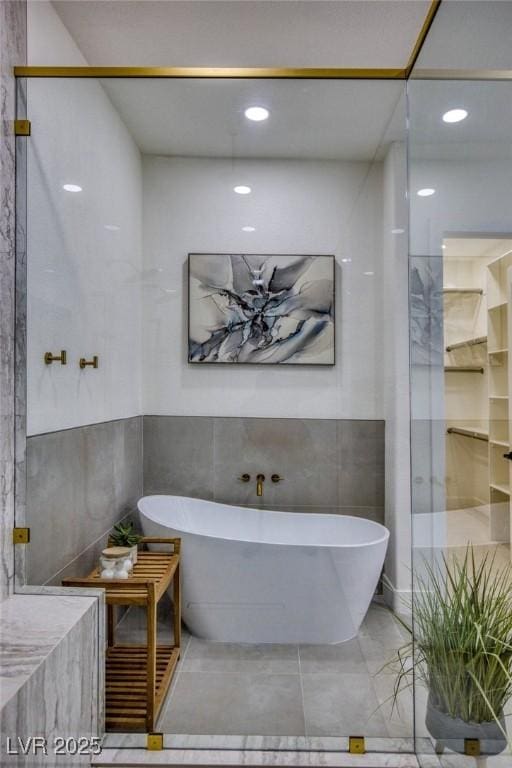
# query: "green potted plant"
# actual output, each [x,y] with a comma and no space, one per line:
[463,651]
[124,535]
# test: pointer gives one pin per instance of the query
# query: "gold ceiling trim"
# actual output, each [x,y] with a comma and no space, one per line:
[461,74]
[425,29]
[316,73]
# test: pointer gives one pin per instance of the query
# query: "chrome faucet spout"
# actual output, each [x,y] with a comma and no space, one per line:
[260,479]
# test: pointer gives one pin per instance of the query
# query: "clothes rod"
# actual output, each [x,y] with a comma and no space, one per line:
[467,343]
[463,369]
[468,433]
[478,291]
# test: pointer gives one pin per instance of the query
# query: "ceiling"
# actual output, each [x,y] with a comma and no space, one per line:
[309,119]
[486,133]
[246,33]
[342,120]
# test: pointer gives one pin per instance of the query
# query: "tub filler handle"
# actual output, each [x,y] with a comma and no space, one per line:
[260,479]
[245,478]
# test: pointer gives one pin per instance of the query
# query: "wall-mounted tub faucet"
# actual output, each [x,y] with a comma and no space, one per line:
[260,479]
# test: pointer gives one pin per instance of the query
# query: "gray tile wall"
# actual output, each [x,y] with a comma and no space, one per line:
[334,466]
[79,482]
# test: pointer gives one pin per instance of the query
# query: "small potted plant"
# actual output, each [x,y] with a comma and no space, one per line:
[463,651]
[124,535]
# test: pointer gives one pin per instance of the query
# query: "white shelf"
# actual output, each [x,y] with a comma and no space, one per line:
[503,443]
[501,487]
[503,351]
[497,260]
[501,305]
[498,397]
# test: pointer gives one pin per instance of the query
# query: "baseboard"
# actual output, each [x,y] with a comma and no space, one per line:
[399,600]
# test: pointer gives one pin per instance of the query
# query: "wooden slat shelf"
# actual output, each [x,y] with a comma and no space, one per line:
[138,676]
[126,684]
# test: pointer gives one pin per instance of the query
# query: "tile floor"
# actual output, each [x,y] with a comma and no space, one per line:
[284,690]
[471,526]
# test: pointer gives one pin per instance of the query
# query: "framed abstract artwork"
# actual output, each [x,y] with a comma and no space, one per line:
[261,309]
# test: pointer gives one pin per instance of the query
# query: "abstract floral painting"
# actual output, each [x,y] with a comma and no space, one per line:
[270,309]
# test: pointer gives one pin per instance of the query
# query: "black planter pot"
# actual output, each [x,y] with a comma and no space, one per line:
[450,732]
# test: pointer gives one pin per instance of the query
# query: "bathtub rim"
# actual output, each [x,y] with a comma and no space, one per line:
[373,542]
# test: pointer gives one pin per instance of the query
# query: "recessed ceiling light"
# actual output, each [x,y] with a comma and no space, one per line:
[368,273]
[426,192]
[397,231]
[112,227]
[257,114]
[443,246]
[455,115]
[346,261]
[248,229]
[71,187]
[241,189]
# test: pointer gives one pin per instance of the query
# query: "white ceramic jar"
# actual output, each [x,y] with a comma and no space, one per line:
[115,563]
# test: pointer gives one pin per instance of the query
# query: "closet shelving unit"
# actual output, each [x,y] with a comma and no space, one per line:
[464,292]
[465,353]
[499,437]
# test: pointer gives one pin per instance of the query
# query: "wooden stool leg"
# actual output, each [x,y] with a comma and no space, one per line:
[176,593]
[110,625]
[151,645]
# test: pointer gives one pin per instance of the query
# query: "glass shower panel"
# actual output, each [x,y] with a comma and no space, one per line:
[117,200]
[460,253]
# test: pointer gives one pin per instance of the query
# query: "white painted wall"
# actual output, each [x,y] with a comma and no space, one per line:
[296,207]
[396,379]
[83,279]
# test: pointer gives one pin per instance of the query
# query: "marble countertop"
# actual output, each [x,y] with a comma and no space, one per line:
[31,626]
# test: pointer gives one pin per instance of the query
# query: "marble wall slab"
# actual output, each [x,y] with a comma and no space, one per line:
[334,466]
[12,51]
[79,483]
[51,677]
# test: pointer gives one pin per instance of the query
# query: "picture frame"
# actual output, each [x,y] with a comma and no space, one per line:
[261,309]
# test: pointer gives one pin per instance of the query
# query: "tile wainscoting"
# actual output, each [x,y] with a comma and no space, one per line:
[79,483]
[328,465]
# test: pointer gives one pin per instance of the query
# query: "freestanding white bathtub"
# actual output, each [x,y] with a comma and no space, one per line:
[254,576]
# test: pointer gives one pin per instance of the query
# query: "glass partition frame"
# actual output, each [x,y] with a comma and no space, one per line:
[440,168]
[327,743]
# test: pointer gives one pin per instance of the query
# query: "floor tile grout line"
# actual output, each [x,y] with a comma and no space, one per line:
[301,683]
